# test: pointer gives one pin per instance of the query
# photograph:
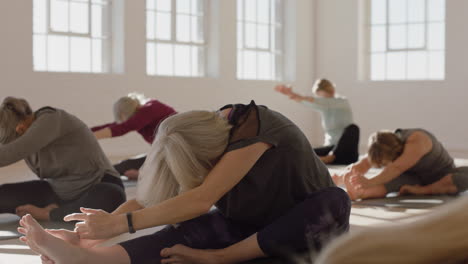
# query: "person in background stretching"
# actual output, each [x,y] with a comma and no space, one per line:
[134,112]
[273,196]
[341,135]
[64,154]
[414,162]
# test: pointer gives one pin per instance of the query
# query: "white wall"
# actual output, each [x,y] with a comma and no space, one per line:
[439,106]
[90,97]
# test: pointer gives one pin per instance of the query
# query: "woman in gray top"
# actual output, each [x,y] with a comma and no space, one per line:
[274,197]
[64,154]
[341,135]
[414,161]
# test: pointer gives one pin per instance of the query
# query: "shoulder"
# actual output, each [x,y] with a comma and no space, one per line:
[421,138]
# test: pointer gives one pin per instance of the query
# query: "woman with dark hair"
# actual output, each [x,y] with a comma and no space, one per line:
[134,112]
[64,154]
[341,134]
[274,197]
[414,161]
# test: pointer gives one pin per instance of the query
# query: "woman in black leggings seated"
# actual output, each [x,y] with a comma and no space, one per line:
[64,154]
[273,196]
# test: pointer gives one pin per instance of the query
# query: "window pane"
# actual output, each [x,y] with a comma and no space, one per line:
[182,60]
[164,59]
[263,38]
[97,19]
[417,65]
[183,6]
[436,36]
[59,15]
[97,55]
[378,38]
[250,64]
[57,53]
[197,29]
[150,58]
[396,65]
[80,54]
[40,16]
[379,12]
[183,28]
[250,10]
[377,67]
[240,35]
[264,66]
[436,65]
[436,10]
[79,17]
[397,11]
[150,4]
[240,9]
[163,26]
[263,8]
[416,10]
[163,5]
[250,35]
[197,7]
[150,25]
[39,52]
[397,35]
[416,36]
[197,61]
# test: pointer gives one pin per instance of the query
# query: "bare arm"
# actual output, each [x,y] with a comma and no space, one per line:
[103,133]
[128,206]
[232,167]
[417,145]
[287,90]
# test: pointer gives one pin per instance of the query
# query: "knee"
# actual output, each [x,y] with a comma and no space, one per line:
[112,194]
[336,204]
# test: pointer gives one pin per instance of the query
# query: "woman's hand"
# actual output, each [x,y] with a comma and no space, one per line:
[360,182]
[284,89]
[98,224]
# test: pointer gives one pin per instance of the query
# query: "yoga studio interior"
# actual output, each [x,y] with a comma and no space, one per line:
[233,131]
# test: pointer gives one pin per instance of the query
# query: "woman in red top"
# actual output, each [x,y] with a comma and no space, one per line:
[134,112]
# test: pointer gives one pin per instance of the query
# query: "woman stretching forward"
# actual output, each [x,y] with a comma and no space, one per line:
[414,162]
[274,197]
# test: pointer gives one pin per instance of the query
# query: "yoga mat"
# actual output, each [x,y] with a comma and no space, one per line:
[127,183]
[408,201]
[9,224]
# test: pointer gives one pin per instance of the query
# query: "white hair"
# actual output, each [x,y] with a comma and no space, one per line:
[182,154]
[127,105]
[439,237]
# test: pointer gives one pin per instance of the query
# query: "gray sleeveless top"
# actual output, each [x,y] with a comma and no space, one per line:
[283,176]
[436,162]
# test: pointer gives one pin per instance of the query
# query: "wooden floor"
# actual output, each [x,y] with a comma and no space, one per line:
[363,214]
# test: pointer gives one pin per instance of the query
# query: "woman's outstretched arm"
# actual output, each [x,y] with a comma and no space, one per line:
[231,168]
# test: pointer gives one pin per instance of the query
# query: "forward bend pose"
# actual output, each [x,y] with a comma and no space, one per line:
[414,161]
[438,237]
[341,135]
[134,112]
[274,197]
[64,154]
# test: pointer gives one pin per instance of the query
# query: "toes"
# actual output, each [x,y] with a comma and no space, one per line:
[23,239]
[165,252]
[22,230]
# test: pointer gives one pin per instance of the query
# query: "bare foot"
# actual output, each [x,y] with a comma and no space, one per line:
[132,174]
[50,247]
[354,192]
[442,186]
[329,159]
[338,179]
[36,212]
[181,254]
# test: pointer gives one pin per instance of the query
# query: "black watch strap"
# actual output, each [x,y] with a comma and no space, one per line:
[131,229]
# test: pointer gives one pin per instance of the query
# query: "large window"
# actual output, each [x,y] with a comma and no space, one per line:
[259,39]
[72,35]
[176,37]
[407,39]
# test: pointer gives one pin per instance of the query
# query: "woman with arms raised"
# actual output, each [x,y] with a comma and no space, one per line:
[274,197]
[64,154]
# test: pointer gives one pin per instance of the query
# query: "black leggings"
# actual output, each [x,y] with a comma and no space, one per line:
[133,163]
[306,227]
[346,151]
[106,195]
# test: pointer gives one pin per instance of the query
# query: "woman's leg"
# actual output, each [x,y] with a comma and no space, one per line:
[107,195]
[26,197]
[445,185]
[308,226]
[61,252]
[346,150]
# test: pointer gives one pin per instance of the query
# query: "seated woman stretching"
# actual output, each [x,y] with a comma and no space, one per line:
[274,197]
[64,154]
[134,112]
[341,135]
[414,162]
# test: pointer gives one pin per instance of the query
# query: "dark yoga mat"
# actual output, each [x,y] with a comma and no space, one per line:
[408,201]
[9,223]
